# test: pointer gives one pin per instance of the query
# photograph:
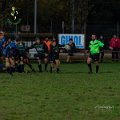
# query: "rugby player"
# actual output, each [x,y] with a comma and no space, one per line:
[9,54]
[94,51]
[54,56]
[21,56]
[41,50]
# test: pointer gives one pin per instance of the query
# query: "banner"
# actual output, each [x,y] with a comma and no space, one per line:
[79,39]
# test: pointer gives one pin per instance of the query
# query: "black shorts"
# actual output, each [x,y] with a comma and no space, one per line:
[54,57]
[70,53]
[40,56]
[95,57]
[46,55]
[19,55]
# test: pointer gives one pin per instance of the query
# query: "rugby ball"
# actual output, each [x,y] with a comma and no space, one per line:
[67,47]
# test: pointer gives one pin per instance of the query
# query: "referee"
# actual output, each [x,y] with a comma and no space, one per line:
[94,53]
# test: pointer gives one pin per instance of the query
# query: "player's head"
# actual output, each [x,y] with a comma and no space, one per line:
[54,43]
[94,37]
[4,44]
[101,37]
[18,40]
[9,40]
[1,34]
[37,40]
[46,39]
[70,41]
[115,36]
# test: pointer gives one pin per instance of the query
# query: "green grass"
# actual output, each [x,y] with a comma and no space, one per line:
[70,95]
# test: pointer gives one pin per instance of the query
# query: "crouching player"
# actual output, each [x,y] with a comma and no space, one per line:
[9,53]
[41,50]
[54,56]
[94,47]
[21,56]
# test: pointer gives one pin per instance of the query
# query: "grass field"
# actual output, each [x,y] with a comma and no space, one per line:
[70,95]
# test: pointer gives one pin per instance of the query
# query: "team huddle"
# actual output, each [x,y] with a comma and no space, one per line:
[14,55]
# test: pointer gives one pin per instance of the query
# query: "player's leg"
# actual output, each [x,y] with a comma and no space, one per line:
[21,64]
[2,63]
[113,55]
[51,65]
[12,62]
[57,61]
[7,64]
[68,58]
[117,55]
[46,61]
[11,67]
[27,62]
[51,59]
[97,66]
[17,61]
[89,61]
[96,61]
[39,63]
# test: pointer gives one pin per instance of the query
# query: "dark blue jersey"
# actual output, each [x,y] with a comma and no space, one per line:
[1,45]
[10,49]
[2,42]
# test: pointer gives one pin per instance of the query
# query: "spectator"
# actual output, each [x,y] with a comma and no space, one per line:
[114,46]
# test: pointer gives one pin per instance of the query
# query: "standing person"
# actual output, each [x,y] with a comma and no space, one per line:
[101,49]
[54,56]
[41,50]
[46,59]
[94,51]
[70,51]
[114,47]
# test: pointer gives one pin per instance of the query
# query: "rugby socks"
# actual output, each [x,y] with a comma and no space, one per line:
[97,68]
[90,68]
[40,67]
[16,67]
[22,68]
[13,69]
[30,66]
[58,70]
[51,69]
[46,66]
[9,70]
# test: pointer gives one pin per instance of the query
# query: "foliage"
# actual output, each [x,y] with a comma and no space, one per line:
[57,11]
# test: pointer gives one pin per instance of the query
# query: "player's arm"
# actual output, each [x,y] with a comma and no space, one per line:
[45,48]
[59,45]
[31,47]
[100,44]
[51,50]
[111,45]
